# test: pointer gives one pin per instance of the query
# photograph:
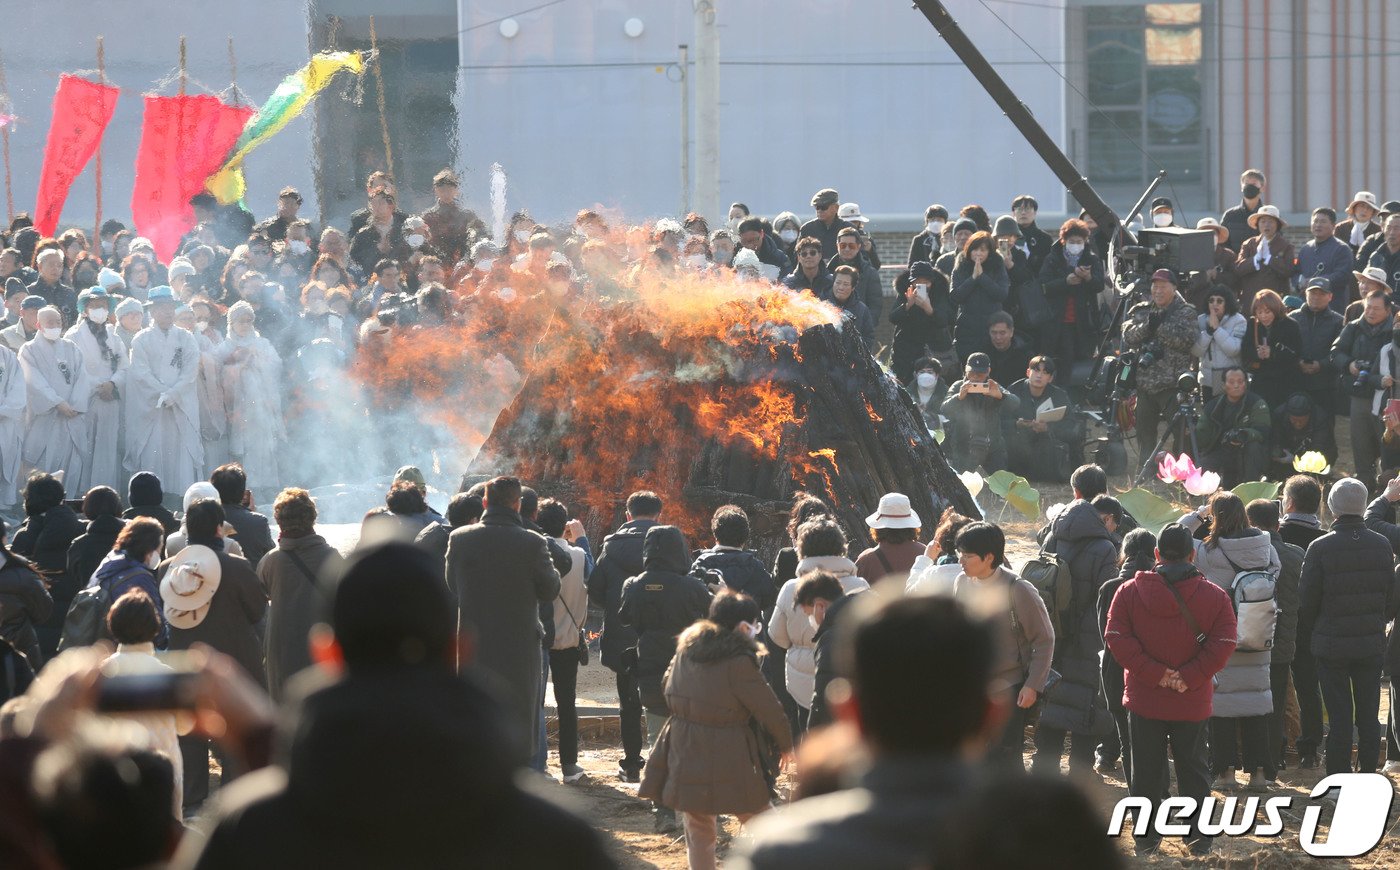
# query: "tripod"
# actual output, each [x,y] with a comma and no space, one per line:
[1187,414]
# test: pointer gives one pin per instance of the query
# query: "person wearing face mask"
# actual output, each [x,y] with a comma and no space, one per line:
[105,360]
[927,244]
[419,240]
[707,760]
[1071,278]
[922,315]
[1356,354]
[1219,342]
[954,239]
[252,375]
[522,227]
[213,413]
[821,597]
[1237,219]
[28,327]
[722,246]
[696,255]
[162,398]
[14,403]
[59,390]
[1163,215]
[1267,261]
[788,230]
[318,321]
[928,391]
[130,563]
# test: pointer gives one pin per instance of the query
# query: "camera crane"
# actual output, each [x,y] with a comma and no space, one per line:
[1129,260]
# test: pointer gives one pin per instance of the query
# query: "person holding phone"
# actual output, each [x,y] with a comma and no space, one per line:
[921,316]
[976,408]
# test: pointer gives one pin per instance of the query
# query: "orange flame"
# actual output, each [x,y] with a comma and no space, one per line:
[870,409]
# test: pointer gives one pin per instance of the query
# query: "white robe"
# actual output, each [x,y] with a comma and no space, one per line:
[104,416]
[53,374]
[253,396]
[164,440]
[13,404]
[213,414]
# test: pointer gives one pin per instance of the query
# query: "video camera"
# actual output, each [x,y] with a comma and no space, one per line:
[1182,251]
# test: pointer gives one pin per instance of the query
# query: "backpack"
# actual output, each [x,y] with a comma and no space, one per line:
[1050,576]
[86,621]
[1254,596]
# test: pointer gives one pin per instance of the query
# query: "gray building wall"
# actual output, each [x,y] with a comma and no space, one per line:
[142,40]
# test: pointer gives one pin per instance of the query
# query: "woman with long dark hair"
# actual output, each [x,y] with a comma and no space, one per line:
[1272,344]
[980,288]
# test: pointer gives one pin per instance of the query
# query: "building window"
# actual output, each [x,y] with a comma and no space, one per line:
[1144,72]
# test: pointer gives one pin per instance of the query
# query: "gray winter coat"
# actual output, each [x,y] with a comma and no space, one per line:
[1286,632]
[1242,689]
[1079,536]
[298,603]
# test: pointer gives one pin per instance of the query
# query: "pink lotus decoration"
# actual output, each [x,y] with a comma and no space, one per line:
[1201,483]
[1177,469]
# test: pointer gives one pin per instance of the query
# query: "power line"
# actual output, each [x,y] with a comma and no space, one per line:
[511,15]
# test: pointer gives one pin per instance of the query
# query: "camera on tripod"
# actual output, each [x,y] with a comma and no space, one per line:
[1182,251]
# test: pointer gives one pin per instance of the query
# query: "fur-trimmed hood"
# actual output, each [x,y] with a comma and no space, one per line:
[707,642]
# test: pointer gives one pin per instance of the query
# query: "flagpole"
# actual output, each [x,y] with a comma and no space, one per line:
[182,66]
[5,139]
[233,71]
[379,83]
[96,242]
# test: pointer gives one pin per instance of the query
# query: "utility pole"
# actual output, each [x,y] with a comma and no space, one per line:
[707,112]
[685,131]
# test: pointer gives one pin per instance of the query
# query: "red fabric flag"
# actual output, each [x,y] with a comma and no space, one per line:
[81,112]
[184,140]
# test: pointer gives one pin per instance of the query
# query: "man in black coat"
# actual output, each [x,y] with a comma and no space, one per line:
[399,762]
[928,243]
[502,571]
[1034,241]
[49,529]
[252,530]
[1318,327]
[620,558]
[741,569]
[1349,592]
[868,287]
[1039,450]
[1299,427]
[826,225]
[1075,707]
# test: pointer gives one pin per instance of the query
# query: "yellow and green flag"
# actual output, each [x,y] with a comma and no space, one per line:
[288,101]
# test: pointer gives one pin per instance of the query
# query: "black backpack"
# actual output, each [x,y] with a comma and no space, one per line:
[86,622]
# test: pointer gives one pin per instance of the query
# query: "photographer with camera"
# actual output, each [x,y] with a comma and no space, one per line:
[977,408]
[1162,330]
[1234,432]
[1355,354]
[1301,425]
[1040,449]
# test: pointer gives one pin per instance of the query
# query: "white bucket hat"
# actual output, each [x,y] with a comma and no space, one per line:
[189,584]
[850,212]
[1363,197]
[1371,274]
[1266,211]
[894,512]
[1210,223]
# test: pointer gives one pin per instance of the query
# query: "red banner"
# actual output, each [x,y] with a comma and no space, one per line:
[184,140]
[81,112]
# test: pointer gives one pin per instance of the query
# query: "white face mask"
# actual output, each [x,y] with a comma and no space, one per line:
[1162,219]
[52,333]
[697,261]
[812,621]
[927,380]
[750,630]
[98,315]
[934,227]
[522,236]
[415,240]
[201,326]
[153,560]
[788,235]
[1074,249]
[298,247]
[484,264]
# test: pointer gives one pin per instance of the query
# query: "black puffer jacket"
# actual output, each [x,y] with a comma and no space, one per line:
[1078,536]
[1286,631]
[92,546]
[1361,343]
[144,494]
[1348,592]
[659,604]
[24,603]
[742,572]
[977,299]
[44,540]
[1110,671]
[619,558]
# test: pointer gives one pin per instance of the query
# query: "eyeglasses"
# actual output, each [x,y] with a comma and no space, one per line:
[810,252]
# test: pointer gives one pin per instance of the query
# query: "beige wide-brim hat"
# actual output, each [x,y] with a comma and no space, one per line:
[894,512]
[1363,197]
[189,584]
[1209,223]
[1371,275]
[1266,211]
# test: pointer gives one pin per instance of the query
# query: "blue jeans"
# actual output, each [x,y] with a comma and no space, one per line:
[1351,691]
